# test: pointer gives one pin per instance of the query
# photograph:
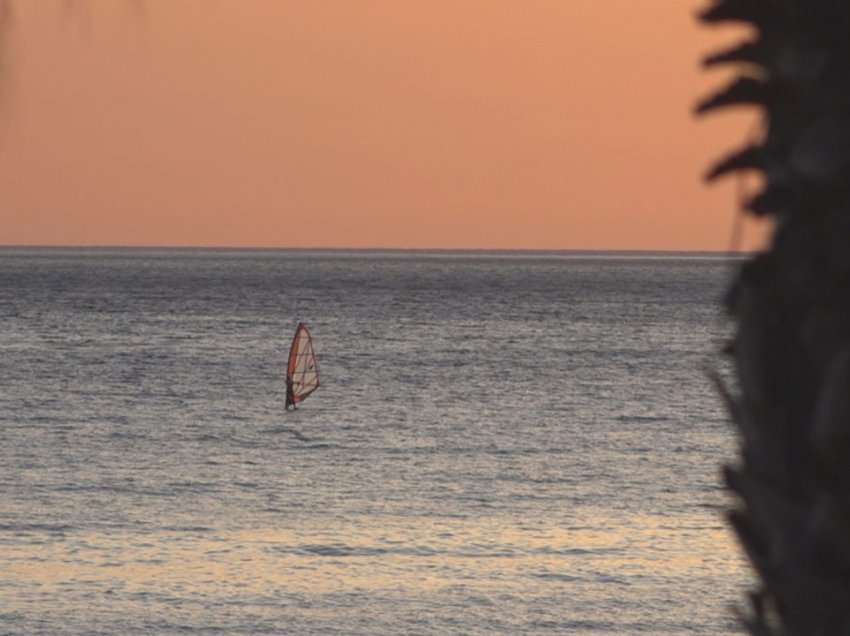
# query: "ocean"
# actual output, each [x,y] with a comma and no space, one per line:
[503,443]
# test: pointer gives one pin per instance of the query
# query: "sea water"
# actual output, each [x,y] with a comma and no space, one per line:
[503,443]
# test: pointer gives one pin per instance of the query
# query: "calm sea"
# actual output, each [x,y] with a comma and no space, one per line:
[504,443]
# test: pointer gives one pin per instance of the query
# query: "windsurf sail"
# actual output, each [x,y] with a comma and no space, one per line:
[302,371]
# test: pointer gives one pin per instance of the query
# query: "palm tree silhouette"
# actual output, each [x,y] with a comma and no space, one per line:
[791,306]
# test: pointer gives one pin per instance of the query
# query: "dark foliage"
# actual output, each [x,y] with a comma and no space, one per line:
[791,306]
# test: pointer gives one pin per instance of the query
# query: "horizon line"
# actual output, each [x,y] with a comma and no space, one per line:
[325,248]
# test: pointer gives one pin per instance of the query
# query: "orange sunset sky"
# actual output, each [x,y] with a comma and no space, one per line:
[533,124]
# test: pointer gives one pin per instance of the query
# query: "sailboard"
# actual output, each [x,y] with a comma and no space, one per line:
[302,370]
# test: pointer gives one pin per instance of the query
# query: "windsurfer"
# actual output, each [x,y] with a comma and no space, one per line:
[290,396]
[302,372]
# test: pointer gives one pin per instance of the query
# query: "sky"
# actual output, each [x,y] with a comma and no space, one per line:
[490,124]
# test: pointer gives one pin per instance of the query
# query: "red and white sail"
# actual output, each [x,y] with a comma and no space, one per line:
[302,371]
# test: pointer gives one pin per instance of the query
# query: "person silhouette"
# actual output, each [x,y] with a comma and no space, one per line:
[290,395]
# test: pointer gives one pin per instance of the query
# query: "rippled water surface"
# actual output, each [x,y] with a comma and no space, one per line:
[503,443]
